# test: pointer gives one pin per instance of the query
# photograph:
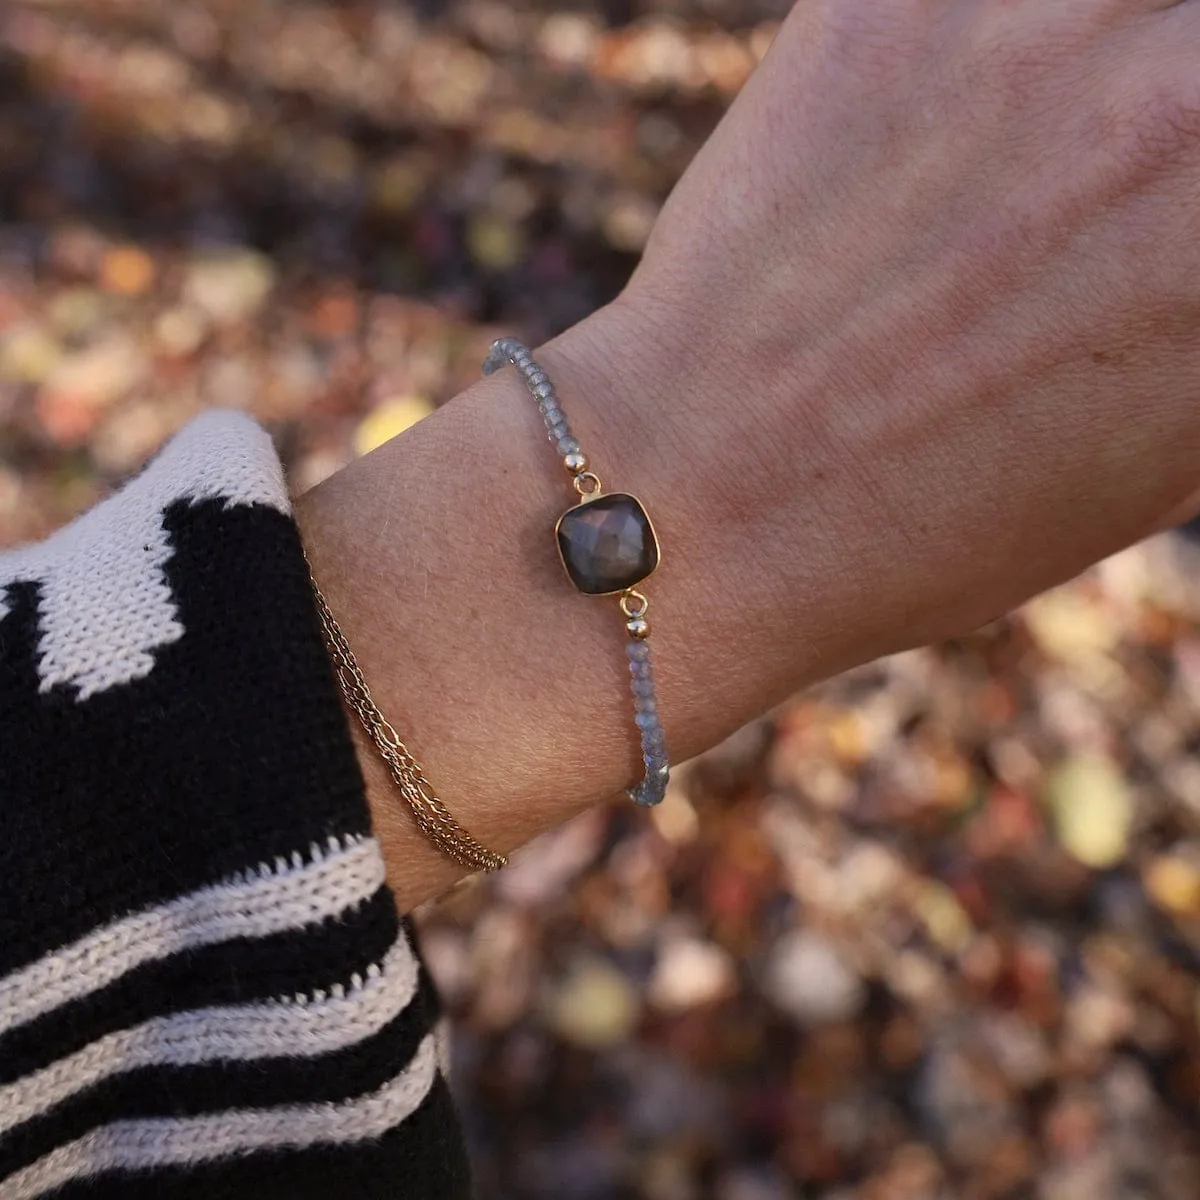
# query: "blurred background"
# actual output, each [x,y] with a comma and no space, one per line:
[931,932]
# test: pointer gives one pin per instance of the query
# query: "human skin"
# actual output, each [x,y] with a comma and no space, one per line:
[915,338]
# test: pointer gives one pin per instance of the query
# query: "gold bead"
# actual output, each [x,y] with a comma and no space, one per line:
[637,627]
[576,462]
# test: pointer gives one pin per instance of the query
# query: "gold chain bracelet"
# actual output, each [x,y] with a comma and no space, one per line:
[432,817]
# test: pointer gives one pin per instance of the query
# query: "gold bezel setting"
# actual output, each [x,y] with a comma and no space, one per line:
[586,501]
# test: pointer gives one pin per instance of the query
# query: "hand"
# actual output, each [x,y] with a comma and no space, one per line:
[915,337]
[927,305]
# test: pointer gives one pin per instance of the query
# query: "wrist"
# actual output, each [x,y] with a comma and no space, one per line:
[436,554]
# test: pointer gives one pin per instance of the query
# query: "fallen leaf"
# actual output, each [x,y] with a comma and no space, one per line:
[388,419]
[1092,808]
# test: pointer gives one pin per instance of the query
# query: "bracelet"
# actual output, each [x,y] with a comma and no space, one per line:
[607,546]
[432,817]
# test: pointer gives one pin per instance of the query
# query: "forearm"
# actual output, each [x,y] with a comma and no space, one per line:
[804,529]
[912,340]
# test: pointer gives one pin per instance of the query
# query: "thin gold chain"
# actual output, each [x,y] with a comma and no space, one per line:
[432,816]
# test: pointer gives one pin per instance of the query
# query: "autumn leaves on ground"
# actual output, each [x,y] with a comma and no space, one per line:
[932,931]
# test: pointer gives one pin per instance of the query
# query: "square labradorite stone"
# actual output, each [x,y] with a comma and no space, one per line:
[607,544]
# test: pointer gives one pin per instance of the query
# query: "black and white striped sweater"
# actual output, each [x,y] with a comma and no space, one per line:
[205,989]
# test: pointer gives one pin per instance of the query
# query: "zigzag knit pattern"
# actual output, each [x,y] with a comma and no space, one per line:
[205,988]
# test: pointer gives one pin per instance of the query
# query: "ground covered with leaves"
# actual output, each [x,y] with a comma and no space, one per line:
[930,932]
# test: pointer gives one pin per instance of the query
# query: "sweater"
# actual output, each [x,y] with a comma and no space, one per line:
[205,987]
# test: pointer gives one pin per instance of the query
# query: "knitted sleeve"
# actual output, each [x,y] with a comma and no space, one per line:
[205,988]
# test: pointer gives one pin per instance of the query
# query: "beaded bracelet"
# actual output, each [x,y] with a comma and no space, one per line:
[608,546]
